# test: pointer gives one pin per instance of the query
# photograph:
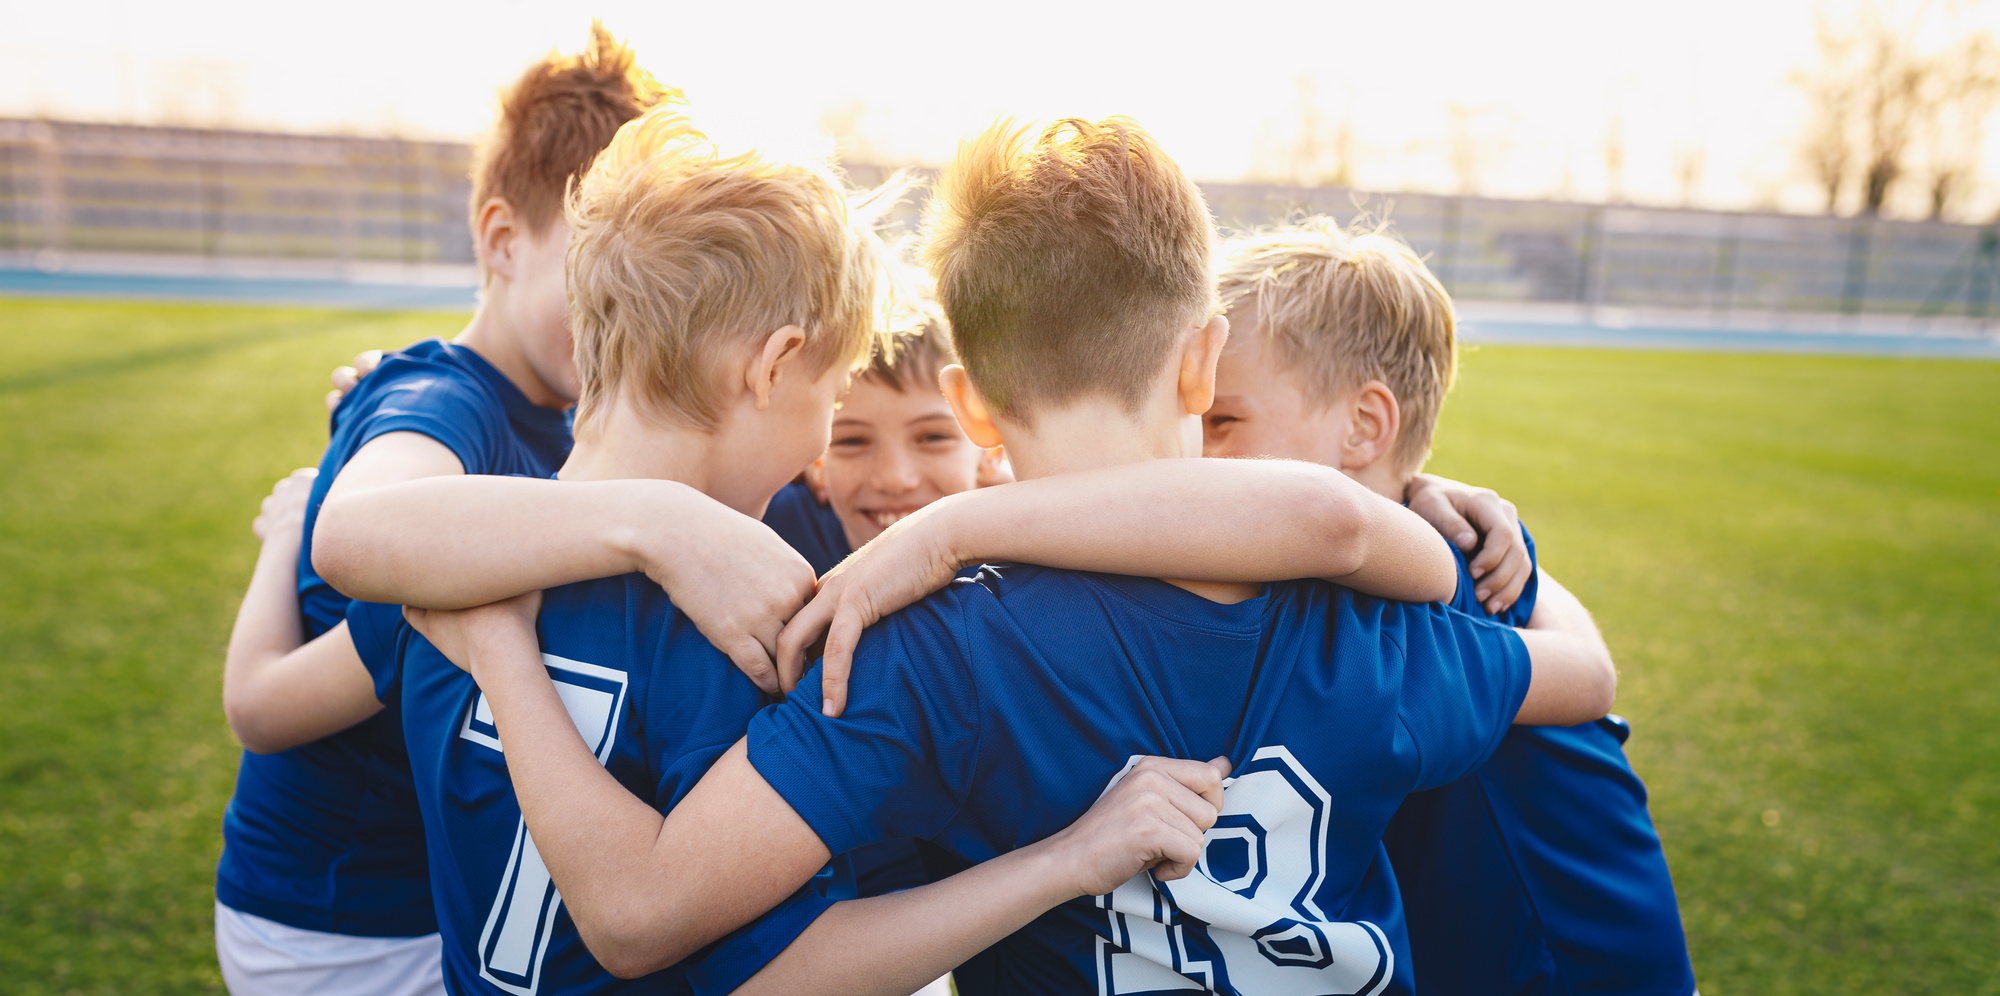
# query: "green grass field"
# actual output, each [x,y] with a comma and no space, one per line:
[1796,560]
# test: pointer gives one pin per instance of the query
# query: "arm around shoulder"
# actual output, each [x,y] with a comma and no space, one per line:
[1575,680]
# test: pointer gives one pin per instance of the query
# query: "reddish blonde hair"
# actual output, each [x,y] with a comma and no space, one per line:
[554,121]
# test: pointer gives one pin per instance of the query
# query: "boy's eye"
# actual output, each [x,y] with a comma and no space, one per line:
[849,442]
[1218,421]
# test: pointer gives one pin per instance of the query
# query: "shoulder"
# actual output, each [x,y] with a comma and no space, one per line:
[427,370]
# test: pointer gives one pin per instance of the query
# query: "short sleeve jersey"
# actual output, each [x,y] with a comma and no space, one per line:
[656,703]
[326,836]
[1540,873]
[994,713]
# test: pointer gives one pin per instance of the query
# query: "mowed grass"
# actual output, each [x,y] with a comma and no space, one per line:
[1794,560]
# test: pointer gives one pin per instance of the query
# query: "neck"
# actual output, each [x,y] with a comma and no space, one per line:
[497,341]
[1383,478]
[1097,433]
[620,443]
[1088,435]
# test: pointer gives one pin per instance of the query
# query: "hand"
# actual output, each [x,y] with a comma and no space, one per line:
[1152,817]
[737,582]
[344,378]
[1477,518]
[468,637]
[284,511]
[908,561]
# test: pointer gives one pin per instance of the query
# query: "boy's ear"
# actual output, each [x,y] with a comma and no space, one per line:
[1199,356]
[493,235]
[993,468]
[761,377]
[968,406]
[1373,427]
[815,476]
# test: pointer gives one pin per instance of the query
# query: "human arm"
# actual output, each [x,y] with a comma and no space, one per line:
[1574,678]
[1181,518]
[1153,818]
[276,693]
[450,543]
[646,891]
[1477,519]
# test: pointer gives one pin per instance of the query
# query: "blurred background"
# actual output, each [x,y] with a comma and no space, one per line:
[1729,280]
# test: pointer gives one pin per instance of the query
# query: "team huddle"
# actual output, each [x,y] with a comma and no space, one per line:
[739,605]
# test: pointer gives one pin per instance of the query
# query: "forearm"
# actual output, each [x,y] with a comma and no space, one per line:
[1575,680]
[1206,520]
[267,628]
[893,945]
[639,899]
[453,542]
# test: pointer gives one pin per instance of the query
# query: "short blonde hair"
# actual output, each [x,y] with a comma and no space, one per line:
[1069,261]
[679,255]
[1346,308]
[918,341]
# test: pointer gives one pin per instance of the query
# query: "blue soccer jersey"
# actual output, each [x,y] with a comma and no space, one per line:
[1541,872]
[656,703]
[326,836]
[813,529]
[994,713]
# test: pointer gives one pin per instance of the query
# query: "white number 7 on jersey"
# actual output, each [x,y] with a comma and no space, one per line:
[516,938]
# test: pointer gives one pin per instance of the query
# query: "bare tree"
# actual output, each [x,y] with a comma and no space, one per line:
[1690,163]
[1311,149]
[1879,99]
[1966,87]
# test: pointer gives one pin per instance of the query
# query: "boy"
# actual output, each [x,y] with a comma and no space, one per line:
[895,448]
[1540,872]
[1073,267]
[322,882]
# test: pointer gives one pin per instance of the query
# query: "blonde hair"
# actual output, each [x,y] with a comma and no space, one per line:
[1070,262]
[679,255]
[1346,308]
[554,121]
[917,344]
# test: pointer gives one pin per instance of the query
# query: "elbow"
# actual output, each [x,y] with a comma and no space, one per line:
[1340,515]
[333,556]
[1605,687]
[243,721]
[629,946]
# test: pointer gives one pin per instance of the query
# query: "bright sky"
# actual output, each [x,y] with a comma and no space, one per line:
[1539,80]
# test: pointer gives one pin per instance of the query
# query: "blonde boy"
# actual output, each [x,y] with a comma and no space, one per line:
[1540,872]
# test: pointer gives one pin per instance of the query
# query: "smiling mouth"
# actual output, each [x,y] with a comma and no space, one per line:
[883,520]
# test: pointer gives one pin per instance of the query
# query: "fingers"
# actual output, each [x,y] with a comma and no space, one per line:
[344,379]
[1193,788]
[838,661]
[750,658]
[366,361]
[1437,510]
[795,642]
[333,398]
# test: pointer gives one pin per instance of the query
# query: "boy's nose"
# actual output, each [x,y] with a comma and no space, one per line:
[895,472]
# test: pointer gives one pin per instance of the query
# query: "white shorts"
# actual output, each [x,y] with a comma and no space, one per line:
[264,958]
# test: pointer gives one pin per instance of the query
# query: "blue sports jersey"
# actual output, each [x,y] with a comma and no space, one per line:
[814,530]
[655,701]
[993,713]
[810,527]
[325,836]
[1541,872]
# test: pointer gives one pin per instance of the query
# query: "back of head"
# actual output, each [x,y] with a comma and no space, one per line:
[1069,261]
[680,256]
[555,120]
[1344,309]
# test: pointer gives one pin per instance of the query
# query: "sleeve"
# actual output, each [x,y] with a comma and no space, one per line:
[453,413]
[376,630]
[900,761]
[727,964]
[1464,678]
